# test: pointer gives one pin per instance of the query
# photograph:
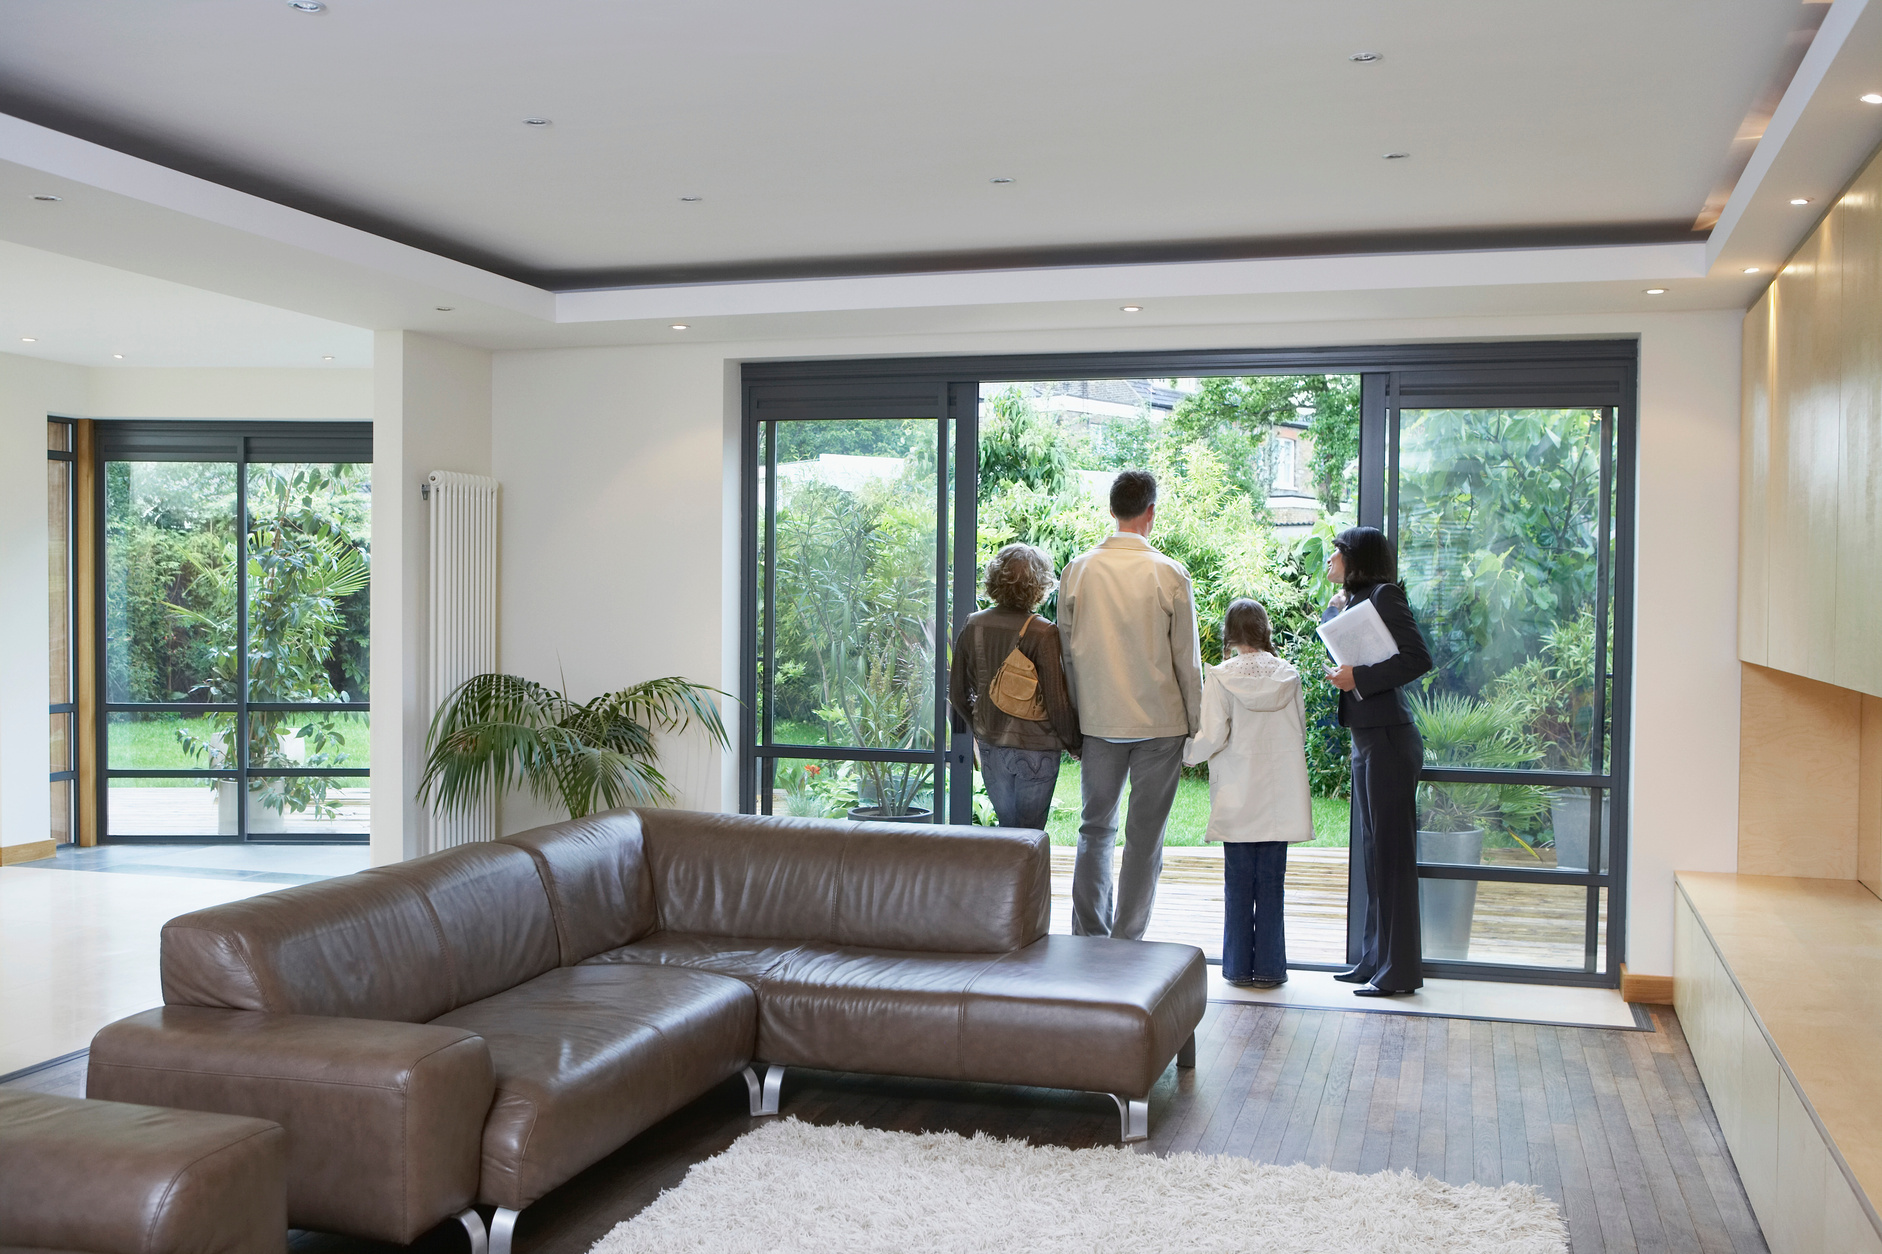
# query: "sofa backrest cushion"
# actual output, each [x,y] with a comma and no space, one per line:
[492,913]
[356,947]
[881,885]
[595,871]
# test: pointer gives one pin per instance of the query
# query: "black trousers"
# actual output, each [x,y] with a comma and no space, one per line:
[1385,820]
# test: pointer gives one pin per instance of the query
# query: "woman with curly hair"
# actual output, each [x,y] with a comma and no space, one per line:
[1008,687]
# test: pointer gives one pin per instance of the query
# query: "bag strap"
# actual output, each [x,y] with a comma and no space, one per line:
[1022,631]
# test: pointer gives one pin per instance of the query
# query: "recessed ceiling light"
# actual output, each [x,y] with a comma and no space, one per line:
[1656,291]
[537,122]
[1873,98]
[117,356]
[329,357]
[679,326]
[1800,200]
[1131,308]
[306,6]
[29,339]
[48,199]
[1751,269]
[1395,156]
[1365,58]
[691,200]
[1000,180]
[445,308]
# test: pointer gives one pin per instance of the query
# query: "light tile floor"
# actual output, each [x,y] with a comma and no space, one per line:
[79,932]
[1453,999]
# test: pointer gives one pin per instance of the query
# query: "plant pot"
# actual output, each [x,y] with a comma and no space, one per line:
[262,820]
[1568,809]
[1446,907]
[873,814]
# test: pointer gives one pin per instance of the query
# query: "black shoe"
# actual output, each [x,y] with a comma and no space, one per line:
[1353,976]
[1372,990]
[1265,983]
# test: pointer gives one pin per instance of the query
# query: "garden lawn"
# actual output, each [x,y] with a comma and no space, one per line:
[148,742]
[1189,814]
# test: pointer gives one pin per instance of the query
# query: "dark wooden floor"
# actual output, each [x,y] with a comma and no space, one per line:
[1614,1125]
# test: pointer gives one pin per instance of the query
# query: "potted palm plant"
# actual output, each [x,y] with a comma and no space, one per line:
[498,732]
[1460,731]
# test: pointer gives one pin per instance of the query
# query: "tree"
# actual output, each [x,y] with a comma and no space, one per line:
[1237,416]
[1017,445]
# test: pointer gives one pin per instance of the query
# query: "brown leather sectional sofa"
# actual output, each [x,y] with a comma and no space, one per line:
[477,1026]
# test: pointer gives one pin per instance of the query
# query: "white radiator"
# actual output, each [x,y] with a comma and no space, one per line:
[463,614]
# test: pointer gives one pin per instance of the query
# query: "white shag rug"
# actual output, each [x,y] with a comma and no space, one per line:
[794,1187]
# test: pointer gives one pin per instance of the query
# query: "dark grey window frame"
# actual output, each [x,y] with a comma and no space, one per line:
[239,443]
[1594,374]
[69,707]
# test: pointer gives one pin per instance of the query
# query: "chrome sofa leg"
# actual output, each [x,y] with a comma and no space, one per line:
[764,1093]
[502,1229]
[474,1229]
[1133,1117]
[1186,1055]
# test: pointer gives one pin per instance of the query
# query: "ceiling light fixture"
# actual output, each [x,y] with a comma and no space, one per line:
[48,199]
[1873,98]
[1656,291]
[1800,200]
[445,308]
[1365,58]
[117,356]
[1395,156]
[537,122]
[1131,308]
[327,358]
[307,6]
[999,180]
[1751,269]
[678,326]
[29,339]
[691,200]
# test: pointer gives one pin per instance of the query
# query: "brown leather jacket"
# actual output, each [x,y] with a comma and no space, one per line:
[983,645]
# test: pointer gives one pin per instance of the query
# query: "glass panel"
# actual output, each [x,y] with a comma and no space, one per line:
[169,581]
[309,806]
[854,644]
[62,811]
[59,570]
[59,437]
[282,740]
[309,599]
[170,807]
[168,740]
[61,742]
[1511,825]
[1535,925]
[1498,511]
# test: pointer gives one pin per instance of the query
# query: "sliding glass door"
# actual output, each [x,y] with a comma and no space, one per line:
[851,547]
[236,615]
[876,490]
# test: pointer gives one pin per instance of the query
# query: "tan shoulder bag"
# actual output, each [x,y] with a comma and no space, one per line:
[1015,686]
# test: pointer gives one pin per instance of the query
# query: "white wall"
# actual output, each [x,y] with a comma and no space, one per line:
[620,541]
[258,394]
[30,389]
[431,411]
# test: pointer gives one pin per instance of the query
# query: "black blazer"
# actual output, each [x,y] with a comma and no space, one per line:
[1382,683]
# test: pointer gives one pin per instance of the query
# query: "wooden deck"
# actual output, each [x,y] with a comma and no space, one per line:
[1531,925]
[193,811]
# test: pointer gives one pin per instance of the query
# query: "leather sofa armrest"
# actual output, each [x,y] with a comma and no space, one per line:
[118,1179]
[384,1119]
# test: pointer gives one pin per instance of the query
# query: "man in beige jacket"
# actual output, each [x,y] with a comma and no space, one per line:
[1127,617]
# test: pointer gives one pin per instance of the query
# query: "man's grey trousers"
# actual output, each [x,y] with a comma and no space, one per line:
[1153,767]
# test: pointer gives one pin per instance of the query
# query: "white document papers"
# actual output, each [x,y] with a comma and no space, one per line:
[1358,637]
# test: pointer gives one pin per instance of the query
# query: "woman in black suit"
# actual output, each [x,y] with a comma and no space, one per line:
[1387,754]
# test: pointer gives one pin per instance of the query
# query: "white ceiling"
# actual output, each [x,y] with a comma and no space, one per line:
[88,314]
[845,129]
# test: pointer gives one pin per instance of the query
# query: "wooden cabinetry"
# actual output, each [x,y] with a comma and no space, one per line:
[1810,572]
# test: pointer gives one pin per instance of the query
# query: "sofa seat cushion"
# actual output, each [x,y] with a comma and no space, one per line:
[587,1057]
[1065,1012]
[739,957]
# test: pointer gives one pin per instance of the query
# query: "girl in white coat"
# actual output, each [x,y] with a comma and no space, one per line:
[1254,738]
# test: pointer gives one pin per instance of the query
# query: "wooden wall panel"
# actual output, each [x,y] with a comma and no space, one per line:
[1869,797]
[1858,644]
[1754,471]
[1799,765]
